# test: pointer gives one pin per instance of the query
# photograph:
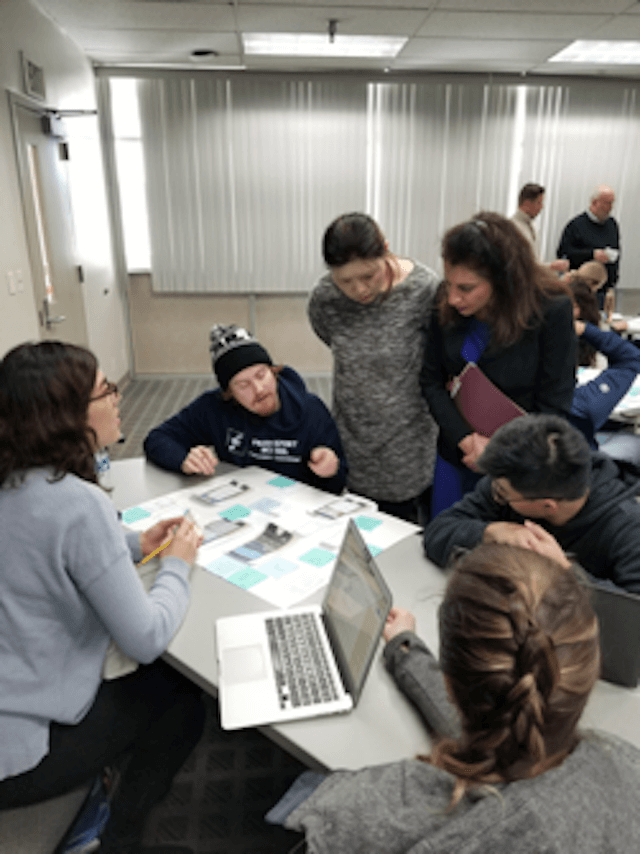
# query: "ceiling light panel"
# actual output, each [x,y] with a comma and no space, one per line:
[316,44]
[600,53]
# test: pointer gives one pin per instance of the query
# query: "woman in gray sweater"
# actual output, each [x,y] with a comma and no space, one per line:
[371,309]
[509,772]
[69,586]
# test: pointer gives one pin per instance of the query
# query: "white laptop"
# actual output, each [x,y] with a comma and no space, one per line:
[261,681]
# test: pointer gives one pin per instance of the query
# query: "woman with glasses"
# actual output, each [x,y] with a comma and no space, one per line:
[502,311]
[69,586]
[509,771]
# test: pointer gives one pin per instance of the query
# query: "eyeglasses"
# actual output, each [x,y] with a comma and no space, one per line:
[500,498]
[110,388]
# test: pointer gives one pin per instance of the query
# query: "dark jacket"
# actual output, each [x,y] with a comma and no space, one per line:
[281,442]
[594,401]
[537,372]
[604,536]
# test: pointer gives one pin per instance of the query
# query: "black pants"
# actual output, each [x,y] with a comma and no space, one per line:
[155,714]
[416,510]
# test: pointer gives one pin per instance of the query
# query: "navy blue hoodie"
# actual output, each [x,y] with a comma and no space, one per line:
[281,442]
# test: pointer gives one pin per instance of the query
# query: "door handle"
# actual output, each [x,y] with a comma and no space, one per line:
[49,320]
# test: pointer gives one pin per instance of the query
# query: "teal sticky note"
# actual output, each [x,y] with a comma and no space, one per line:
[281,482]
[366,523]
[375,550]
[317,557]
[238,511]
[277,567]
[134,514]
[224,566]
[246,577]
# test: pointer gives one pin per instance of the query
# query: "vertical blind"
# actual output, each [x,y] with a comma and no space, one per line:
[245,172]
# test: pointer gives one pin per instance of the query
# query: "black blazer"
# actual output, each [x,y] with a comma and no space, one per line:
[537,372]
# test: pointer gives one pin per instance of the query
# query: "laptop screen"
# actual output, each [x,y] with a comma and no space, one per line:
[355,609]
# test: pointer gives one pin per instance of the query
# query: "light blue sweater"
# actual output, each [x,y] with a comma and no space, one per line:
[67,586]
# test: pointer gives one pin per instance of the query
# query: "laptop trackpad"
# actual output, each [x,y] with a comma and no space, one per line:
[244,664]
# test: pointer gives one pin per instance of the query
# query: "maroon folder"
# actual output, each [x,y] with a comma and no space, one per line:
[482,405]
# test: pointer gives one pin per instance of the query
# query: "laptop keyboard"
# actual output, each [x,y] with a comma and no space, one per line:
[303,677]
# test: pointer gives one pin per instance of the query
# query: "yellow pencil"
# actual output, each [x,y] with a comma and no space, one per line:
[188,515]
[155,552]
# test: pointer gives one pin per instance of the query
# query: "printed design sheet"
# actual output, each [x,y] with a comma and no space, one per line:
[270,535]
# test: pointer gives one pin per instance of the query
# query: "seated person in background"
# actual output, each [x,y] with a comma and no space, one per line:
[540,467]
[594,401]
[594,273]
[520,653]
[260,415]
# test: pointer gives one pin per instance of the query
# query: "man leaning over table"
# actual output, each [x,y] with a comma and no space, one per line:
[260,415]
[539,467]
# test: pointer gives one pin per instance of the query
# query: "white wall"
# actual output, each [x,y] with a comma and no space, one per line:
[69,85]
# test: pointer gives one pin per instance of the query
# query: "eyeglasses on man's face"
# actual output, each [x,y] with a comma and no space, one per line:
[109,389]
[500,497]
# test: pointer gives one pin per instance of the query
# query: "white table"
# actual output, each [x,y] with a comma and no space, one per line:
[384,727]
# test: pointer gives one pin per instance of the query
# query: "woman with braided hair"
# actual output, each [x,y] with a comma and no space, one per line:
[509,771]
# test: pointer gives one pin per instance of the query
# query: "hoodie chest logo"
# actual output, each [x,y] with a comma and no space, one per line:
[236,442]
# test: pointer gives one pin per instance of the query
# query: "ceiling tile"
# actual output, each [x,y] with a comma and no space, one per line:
[474,49]
[574,7]
[510,25]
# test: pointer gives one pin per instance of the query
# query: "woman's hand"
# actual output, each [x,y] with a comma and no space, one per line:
[185,543]
[154,537]
[619,325]
[323,462]
[472,447]
[399,620]
[579,327]
[199,460]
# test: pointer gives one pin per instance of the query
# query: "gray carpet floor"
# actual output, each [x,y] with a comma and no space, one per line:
[218,799]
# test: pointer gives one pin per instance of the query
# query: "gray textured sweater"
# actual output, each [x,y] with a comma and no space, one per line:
[588,805]
[388,434]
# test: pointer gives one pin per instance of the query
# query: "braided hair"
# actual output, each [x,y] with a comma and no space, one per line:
[520,651]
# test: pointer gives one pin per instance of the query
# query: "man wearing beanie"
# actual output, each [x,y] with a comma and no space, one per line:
[260,415]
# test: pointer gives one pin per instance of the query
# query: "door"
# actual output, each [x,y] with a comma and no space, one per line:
[57,279]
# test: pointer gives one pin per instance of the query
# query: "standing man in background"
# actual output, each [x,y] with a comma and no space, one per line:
[530,203]
[594,236]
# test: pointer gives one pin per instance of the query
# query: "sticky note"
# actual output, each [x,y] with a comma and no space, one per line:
[277,567]
[281,482]
[224,566]
[317,557]
[134,514]
[246,577]
[366,523]
[238,511]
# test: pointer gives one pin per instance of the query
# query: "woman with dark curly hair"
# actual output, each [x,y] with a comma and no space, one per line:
[69,586]
[512,317]
[509,772]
